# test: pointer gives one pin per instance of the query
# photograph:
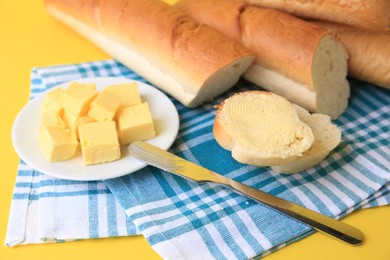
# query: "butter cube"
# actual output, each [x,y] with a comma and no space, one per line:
[99,142]
[73,121]
[51,118]
[128,93]
[104,107]
[52,101]
[56,143]
[135,123]
[77,97]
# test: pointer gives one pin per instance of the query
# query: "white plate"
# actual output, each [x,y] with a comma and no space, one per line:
[25,134]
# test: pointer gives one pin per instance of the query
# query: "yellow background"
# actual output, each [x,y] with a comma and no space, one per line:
[30,38]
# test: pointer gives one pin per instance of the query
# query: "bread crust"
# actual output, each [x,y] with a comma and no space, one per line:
[369,14]
[281,42]
[184,50]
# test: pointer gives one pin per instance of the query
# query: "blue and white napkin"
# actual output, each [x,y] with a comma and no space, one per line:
[176,215]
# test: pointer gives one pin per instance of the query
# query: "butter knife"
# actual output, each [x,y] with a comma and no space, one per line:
[164,160]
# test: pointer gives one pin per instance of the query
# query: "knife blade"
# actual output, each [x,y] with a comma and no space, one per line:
[166,161]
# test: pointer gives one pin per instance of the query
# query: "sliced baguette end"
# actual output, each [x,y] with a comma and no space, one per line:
[261,128]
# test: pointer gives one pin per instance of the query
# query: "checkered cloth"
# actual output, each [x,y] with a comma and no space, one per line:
[177,216]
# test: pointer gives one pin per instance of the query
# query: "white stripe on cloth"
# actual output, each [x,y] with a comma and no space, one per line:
[337,192]
[254,230]
[302,197]
[219,242]
[380,156]
[186,246]
[350,185]
[374,169]
[324,198]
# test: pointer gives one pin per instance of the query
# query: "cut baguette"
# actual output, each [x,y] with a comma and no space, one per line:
[192,62]
[326,137]
[296,59]
[368,50]
[261,128]
[369,14]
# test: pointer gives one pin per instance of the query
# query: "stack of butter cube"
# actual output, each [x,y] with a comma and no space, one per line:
[99,122]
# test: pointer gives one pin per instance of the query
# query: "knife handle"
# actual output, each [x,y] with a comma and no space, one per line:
[316,220]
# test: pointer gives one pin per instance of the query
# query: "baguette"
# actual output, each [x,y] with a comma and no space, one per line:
[261,128]
[191,62]
[296,59]
[326,138]
[369,14]
[369,52]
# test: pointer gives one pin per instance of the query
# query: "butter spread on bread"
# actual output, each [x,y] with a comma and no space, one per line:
[190,61]
[326,137]
[299,60]
[261,128]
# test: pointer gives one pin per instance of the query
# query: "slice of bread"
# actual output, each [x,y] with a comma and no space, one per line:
[261,128]
[326,137]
